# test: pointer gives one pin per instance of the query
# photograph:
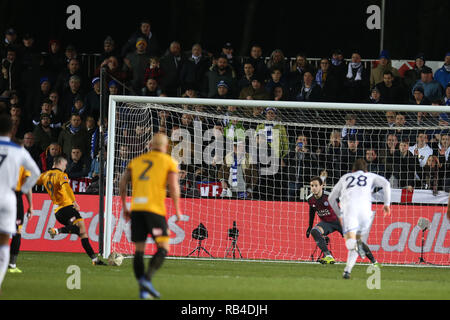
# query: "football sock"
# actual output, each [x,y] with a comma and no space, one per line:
[4,259]
[156,262]
[14,248]
[352,254]
[62,230]
[87,247]
[138,264]
[69,229]
[369,254]
[320,240]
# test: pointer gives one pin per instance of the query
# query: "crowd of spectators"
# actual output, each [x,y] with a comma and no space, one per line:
[55,107]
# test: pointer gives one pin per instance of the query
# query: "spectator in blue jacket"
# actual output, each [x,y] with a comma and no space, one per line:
[432,89]
[442,75]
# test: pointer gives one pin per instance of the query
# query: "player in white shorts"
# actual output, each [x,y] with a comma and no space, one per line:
[354,190]
[12,157]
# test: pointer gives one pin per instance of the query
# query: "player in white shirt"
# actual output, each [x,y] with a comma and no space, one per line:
[12,157]
[354,190]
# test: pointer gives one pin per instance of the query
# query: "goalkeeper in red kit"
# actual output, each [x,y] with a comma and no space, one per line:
[329,221]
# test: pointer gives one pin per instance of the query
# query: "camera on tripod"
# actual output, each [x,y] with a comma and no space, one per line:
[233,233]
[200,233]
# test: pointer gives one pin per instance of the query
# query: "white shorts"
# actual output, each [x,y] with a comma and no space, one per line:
[8,213]
[358,222]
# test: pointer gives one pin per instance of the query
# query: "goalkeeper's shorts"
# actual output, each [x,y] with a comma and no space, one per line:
[330,227]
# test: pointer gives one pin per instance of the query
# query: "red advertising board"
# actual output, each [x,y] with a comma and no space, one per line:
[267,230]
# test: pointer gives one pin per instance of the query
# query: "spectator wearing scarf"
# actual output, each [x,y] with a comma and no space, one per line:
[280,142]
[237,173]
[327,80]
[356,83]
[310,90]
[74,133]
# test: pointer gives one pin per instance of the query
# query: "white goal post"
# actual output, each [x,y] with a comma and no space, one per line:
[272,222]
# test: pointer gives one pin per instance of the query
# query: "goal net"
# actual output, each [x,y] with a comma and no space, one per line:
[245,170]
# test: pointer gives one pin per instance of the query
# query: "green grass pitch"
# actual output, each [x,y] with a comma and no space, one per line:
[45,277]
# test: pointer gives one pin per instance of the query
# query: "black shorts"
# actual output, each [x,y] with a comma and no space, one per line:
[144,223]
[20,209]
[68,215]
[330,227]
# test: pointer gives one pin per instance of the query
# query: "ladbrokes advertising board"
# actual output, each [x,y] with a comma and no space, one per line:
[267,230]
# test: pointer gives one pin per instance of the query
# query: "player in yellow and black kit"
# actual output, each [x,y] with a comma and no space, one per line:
[149,175]
[17,238]
[56,183]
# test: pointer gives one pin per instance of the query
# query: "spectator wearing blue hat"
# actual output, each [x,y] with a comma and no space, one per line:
[385,64]
[46,86]
[93,98]
[79,107]
[442,75]
[36,97]
[113,89]
[418,96]
[223,91]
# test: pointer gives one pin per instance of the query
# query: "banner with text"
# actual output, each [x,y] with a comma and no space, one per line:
[267,230]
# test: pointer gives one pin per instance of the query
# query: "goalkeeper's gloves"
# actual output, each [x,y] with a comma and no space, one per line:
[308,232]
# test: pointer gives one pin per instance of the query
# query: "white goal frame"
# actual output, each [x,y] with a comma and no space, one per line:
[114,99]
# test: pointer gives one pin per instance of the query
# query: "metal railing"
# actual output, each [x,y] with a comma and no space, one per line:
[91,61]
